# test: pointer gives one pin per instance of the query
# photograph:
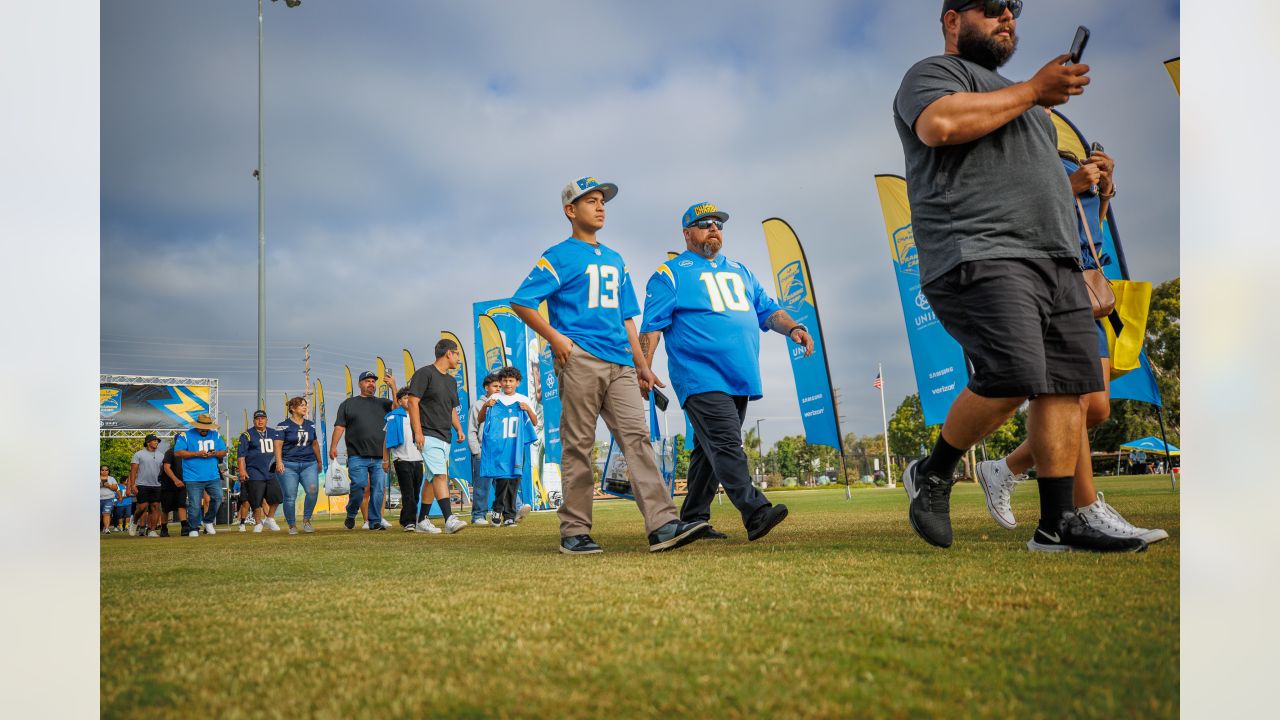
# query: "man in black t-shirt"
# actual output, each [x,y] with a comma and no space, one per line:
[361,420]
[433,411]
[173,495]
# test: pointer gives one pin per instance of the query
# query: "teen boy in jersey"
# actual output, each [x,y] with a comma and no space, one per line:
[255,456]
[591,305]
[712,310]
[481,487]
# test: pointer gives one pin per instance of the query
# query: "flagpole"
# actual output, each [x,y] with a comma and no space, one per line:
[884,418]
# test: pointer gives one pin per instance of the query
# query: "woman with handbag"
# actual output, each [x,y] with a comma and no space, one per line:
[1093,186]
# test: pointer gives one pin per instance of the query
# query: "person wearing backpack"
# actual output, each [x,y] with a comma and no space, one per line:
[401,451]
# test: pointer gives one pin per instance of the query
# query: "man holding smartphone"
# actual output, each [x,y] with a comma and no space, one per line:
[994,229]
[712,310]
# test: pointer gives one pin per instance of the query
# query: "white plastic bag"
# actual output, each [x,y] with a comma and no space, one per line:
[337,482]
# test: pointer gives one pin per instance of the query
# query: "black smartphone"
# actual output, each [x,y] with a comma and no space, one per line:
[1095,148]
[660,400]
[1079,43]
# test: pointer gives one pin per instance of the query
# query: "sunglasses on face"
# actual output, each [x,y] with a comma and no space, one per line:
[995,8]
[708,224]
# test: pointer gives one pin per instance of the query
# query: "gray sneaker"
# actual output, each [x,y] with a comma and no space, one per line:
[306,527]
[1123,527]
[676,534]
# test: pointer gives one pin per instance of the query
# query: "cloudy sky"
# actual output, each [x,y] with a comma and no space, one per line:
[415,152]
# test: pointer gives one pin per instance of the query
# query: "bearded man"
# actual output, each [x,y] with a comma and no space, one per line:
[995,234]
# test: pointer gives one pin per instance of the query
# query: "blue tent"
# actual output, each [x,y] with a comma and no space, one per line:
[1151,444]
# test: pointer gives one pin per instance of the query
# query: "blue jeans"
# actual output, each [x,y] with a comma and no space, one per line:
[195,490]
[297,472]
[481,490]
[366,472]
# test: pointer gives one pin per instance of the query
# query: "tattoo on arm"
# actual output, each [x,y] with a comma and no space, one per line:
[776,321]
[644,344]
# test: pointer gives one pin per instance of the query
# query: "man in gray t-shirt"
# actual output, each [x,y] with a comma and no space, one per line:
[998,259]
[144,483]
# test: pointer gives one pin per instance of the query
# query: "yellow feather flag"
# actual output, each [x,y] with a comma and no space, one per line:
[465,385]
[381,389]
[1174,67]
[409,367]
[347,369]
[495,354]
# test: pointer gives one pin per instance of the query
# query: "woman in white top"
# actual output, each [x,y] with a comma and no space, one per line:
[107,490]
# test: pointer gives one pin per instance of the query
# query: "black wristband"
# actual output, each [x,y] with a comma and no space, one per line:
[796,327]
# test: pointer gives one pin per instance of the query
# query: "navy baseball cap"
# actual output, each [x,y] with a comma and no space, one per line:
[259,413]
[697,211]
[150,438]
[366,375]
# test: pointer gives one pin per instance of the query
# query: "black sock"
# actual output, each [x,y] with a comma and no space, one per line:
[424,511]
[1055,499]
[942,461]
[445,512]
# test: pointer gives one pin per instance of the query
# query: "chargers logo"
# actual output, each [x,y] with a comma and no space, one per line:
[185,402]
[664,270]
[705,208]
[792,289]
[494,312]
[493,359]
[545,264]
[108,401]
[585,183]
[904,250]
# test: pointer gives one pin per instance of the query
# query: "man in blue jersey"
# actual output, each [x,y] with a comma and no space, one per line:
[255,456]
[201,449]
[507,428]
[712,311]
[591,305]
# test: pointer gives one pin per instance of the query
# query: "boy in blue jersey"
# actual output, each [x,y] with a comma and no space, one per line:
[508,426]
[712,311]
[590,327]
[200,449]
[255,456]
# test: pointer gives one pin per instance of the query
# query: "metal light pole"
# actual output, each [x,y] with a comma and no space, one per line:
[262,235]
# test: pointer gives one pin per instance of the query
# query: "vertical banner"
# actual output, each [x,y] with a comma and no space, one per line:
[285,406]
[795,293]
[937,359]
[346,369]
[459,452]
[381,390]
[1140,384]
[410,368]
[503,339]
[1174,67]
[323,422]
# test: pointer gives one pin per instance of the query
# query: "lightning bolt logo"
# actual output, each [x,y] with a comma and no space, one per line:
[182,401]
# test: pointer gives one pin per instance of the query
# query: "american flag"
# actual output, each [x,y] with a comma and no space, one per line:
[878,384]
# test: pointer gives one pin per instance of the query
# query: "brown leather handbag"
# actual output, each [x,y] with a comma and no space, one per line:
[1101,296]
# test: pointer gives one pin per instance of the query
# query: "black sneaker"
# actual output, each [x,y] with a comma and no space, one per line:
[349,523]
[1076,535]
[930,511]
[764,520]
[373,528]
[676,534]
[164,531]
[714,534]
[579,545]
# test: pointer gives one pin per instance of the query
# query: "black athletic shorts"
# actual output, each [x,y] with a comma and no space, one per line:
[148,494]
[173,498]
[1025,324]
[255,491]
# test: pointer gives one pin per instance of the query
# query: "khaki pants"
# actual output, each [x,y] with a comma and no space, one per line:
[591,388]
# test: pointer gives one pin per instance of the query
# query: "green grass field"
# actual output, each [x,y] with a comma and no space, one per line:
[841,612]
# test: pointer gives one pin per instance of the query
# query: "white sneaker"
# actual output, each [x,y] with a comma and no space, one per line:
[210,529]
[250,521]
[997,484]
[386,523]
[410,527]
[293,530]
[426,526]
[271,524]
[479,521]
[193,533]
[495,518]
[523,512]
[257,528]
[242,528]
[306,527]
[454,524]
[365,526]
[1126,528]
[508,523]
[153,533]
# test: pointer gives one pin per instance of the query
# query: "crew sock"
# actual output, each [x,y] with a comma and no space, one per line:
[1055,499]
[942,461]
[445,511]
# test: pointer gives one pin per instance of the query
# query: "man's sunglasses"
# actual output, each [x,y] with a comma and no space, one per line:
[994,8]
[708,224]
